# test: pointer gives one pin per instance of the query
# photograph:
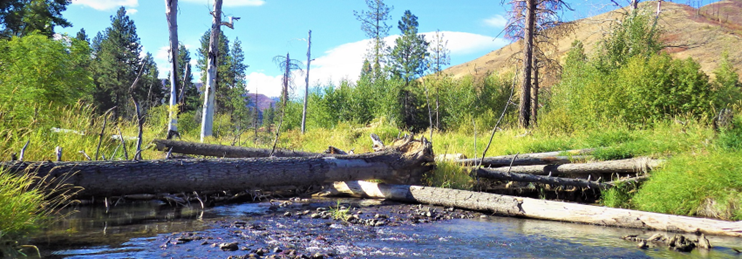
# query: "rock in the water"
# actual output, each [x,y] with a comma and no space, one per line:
[229,246]
[642,244]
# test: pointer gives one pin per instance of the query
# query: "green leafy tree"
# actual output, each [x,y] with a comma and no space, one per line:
[23,17]
[373,23]
[38,73]
[726,83]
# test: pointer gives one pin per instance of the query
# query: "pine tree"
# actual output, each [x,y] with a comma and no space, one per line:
[23,17]
[373,23]
[408,58]
[117,60]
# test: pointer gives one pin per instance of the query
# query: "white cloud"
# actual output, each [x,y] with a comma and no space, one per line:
[497,21]
[103,5]
[230,3]
[131,11]
[345,61]
[267,85]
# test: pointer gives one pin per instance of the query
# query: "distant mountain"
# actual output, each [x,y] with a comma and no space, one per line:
[703,34]
[264,102]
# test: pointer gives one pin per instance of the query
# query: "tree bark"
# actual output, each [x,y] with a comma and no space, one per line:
[525,95]
[520,161]
[171,11]
[534,101]
[306,88]
[538,209]
[207,121]
[223,151]
[625,166]
[400,164]
[553,157]
[519,177]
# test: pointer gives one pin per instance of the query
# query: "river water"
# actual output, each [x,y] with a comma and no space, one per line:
[153,230]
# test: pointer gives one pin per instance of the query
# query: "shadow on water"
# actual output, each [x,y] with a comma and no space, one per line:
[139,231]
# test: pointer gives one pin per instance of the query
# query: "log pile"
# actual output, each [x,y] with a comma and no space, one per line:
[555,169]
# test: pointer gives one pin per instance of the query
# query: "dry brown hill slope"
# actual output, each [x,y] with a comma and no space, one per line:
[701,35]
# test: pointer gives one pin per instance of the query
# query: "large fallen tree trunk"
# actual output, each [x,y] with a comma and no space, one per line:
[554,157]
[400,163]
[536,208]
[192,148]
[490,173]
[625,166]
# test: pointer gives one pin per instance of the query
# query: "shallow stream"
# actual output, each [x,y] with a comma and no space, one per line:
[154,230]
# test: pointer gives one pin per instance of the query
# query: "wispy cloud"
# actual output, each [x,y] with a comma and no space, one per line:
[230,3]
[345,61]
[103,5]
[497,21]
[131,11]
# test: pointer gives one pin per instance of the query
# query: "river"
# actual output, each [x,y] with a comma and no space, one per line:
[155,230]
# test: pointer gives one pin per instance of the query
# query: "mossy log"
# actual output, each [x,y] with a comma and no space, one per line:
[222,151]
[536,208]
[403,163]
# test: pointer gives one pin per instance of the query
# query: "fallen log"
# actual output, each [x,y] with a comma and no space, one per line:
[491,173]
[399,164]
[625,166]
[554,157]
[223,151]
[536,208]
[521,161]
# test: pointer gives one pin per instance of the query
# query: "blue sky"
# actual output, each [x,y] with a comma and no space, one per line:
[273,27]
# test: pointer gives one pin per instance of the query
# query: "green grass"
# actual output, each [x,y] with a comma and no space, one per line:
[701,184]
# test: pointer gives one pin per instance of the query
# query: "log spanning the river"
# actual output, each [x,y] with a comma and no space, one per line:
[545,158]
[223,151]
[399,163]
[538,209]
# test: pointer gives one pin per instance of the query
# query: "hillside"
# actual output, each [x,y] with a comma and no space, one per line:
[688,32]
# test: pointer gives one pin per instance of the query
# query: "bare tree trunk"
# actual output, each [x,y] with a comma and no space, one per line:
[525,94]
[207,121]
[306,88]
[171,11]
[537,208]
[285,97]
[534,103]
[634,4]
[140,122]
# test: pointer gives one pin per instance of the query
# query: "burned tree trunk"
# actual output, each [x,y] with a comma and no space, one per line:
[398,164]
[506,176]
[538,209]
[192,148]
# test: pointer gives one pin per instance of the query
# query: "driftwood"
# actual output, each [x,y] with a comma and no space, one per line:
[491,173]
[537,209]
[625,166]
[192,148]
[402,163]
[555,157]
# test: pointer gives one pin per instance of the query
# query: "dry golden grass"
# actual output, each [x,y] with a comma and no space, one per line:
[687,34]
